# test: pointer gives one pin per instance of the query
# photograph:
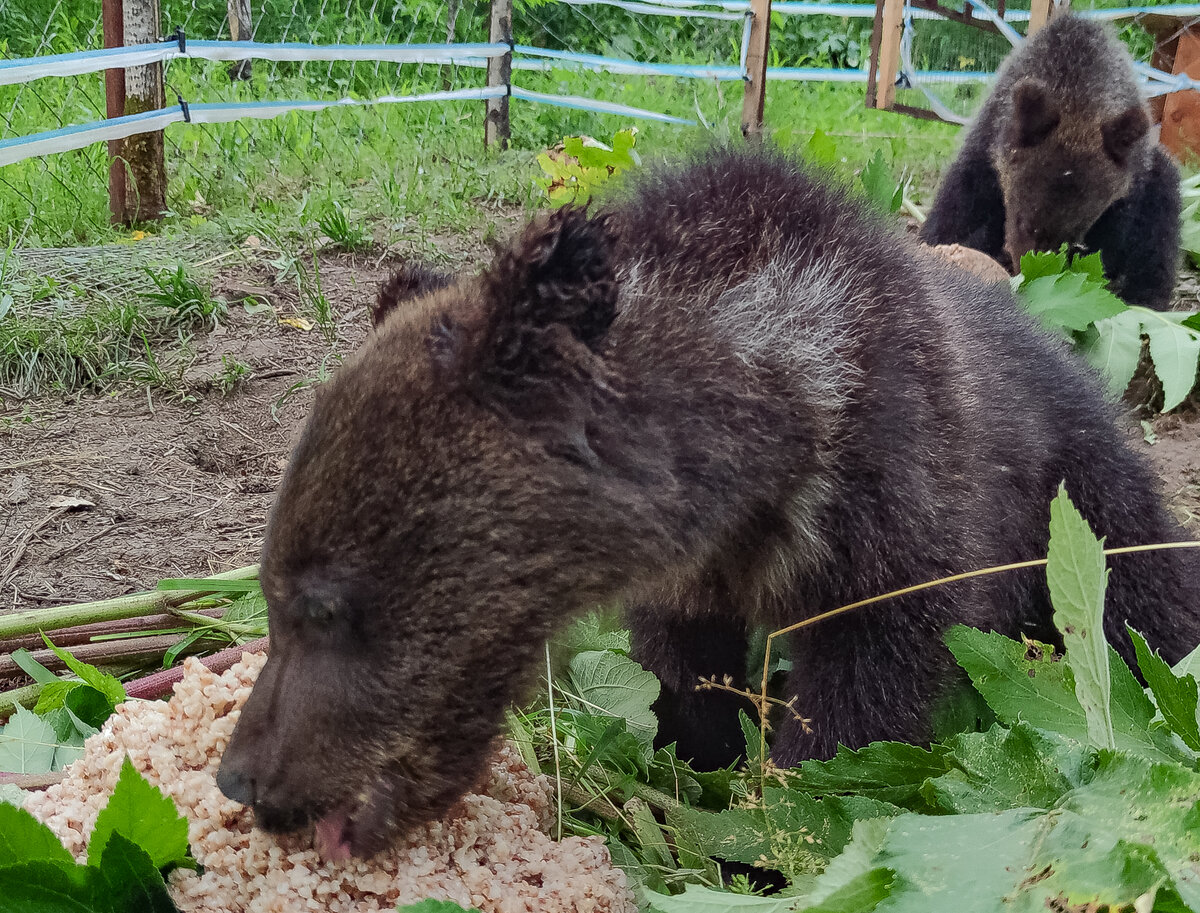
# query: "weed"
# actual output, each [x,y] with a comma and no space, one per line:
[350,237]
[188,303]
[233,372]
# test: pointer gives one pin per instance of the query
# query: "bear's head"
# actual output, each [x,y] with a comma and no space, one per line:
[463,484]
[1060,169]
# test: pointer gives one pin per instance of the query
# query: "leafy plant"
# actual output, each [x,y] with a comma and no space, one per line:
[185,299]
[882,189]
[233,372]
[349,236]
[1079,793]
[584,166]
[1072,296]
[139,835]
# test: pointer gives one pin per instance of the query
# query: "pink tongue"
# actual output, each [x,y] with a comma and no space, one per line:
[331,840]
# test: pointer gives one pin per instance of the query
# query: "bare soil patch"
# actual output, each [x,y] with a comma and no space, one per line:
[180,484]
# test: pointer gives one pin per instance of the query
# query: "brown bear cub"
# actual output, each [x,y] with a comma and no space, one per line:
[729,399]
[1061,153]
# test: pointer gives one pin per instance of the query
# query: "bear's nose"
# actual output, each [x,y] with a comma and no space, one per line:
[235,783]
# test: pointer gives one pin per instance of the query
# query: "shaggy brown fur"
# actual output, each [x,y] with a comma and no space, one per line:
[729,399]
[1061,153]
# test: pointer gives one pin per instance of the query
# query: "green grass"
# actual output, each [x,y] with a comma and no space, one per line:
[403,176]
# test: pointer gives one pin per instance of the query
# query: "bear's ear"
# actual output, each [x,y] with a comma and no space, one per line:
[1034,114]
[411,281]
[549,299]
[1123,132]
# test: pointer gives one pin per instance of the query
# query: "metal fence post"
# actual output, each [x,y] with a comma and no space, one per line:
[499,73]
[756,68]
[144,153]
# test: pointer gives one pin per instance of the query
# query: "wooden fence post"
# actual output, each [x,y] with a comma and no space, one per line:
[499,73]
[114,103]
[144,153]
[241,28]
[755,96]
[890,33]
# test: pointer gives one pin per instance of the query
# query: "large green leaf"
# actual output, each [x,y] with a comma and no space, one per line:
[612,684]
[134,884]
[1116,350]
[27,744]
[1005,769]
[696,899]
[142,814]
[44,887]
[1175,350]
[1176,696]
[891,772]
[1077,577]
[101,681]
[1070,300]
[435,906]
[1029,684]
[25,839]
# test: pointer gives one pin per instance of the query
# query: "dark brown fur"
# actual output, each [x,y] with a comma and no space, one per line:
[730,399]
[408,283]
[1061,153]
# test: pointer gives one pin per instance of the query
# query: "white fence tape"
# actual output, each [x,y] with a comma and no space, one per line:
[28,69]
[70,138]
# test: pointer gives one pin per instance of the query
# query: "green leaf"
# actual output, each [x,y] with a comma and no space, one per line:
[862,893]
[1003,769]
[434,906]
[134,882]
[142,814]
[101,681]
[612,684]
[1189,665]
[820,149]
[54,695]
[696,899]
[12,794]
[888,771]
[597,630]
[854,867]
[1070,300]
[43,887]
[27,744]
[31,667]
[1174,350]
[1029,684]
[1077,578]
[1116,350]
[1176,696]
[1192,322]
[882,189]
[25,839]
[1037,264]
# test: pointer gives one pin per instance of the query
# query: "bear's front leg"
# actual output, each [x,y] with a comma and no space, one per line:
[680,649]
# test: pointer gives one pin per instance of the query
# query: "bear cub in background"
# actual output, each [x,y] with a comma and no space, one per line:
[1062,153]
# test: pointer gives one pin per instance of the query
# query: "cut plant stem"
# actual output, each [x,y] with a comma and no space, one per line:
[136,606]
[82,634]
[157,684]
[23,697]
[134,649]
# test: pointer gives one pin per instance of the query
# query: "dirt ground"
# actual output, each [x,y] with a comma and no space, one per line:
[103,495]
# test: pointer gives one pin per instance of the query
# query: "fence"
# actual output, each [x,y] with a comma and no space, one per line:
[940,59]
[241,110]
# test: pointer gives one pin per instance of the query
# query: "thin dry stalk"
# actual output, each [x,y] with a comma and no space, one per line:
[916,588]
